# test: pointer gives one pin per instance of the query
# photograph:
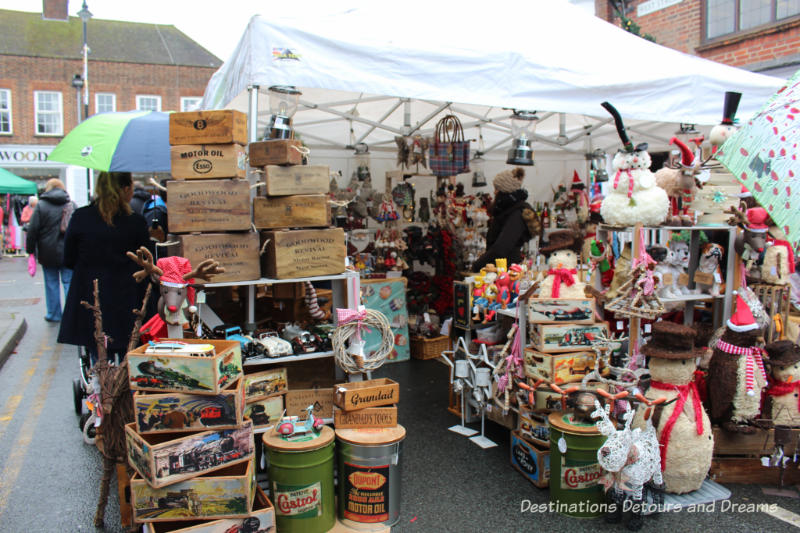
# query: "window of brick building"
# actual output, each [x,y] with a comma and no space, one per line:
[5,112]
[146,102]
[49,115]
[105,102]
[189,103]
[724,17]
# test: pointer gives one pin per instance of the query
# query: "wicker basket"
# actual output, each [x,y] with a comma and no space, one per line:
[425,348]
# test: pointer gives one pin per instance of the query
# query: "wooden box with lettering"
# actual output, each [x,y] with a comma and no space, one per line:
[224,126]
[371,417]
[167,458]
[208,206]
[303,253]
[207,376]
[322,400]
[559,368]
[530,460]
[296,211]
[261,518]
[555,338]
[265,383]
[264,412]
[559,310]
[275,152]
[156,412]
[361,394]
[225,493]
[236,252]
[297,179]
[204,161]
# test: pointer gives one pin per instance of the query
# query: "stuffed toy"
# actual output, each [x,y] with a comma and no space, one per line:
[783,393]
[680,183]
[622,271]
[634,196]
[710,258]
[682,425]
[562,280]
[664,271]
[679,264]
[751,244]
[723,131]
[736,375]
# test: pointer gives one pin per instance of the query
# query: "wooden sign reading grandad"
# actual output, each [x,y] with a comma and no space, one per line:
[363,394]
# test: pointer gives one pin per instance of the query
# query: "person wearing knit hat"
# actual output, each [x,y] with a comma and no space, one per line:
[513,221]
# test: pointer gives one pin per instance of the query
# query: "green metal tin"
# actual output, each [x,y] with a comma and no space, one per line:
[574,473]
[301,478]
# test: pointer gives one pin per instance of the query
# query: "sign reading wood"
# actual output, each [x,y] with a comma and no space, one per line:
[303,253]
[209,205]
[236,252]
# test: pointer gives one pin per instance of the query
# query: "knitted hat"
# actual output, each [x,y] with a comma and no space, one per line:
[744,193]
[742,320]
[672,341]
[559,240]
[757,219]
[509,180]
[174,268]
[687,157]
[782,353]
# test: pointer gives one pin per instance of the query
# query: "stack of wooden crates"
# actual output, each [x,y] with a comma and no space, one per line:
[208,200]
[191,446]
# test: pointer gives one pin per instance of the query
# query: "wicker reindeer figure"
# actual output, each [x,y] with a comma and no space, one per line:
[175,277]
[630,459]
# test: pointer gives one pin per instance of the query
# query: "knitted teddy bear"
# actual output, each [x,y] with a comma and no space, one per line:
[634,196]
[682,425]
[783,394]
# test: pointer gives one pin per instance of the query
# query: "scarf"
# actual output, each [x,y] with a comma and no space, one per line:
[562,275]
[630,180]
[782,388]
[754,359]
[683,395]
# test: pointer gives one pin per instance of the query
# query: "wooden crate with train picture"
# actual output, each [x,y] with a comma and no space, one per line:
[554,338]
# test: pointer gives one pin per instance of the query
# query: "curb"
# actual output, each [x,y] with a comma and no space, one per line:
[11,337]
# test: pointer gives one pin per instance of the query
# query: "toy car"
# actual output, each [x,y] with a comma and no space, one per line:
[302,341]
[250,348]
[293,426]
[273,345]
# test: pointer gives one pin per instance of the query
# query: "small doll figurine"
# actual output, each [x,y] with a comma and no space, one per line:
[503,284]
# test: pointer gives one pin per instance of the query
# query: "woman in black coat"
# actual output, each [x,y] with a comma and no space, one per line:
[98,237]
[513,221]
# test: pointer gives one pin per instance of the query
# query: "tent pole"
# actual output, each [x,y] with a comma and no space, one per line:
[252,112]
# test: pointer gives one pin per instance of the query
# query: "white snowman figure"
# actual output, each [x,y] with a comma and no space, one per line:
[784,386]
[682,425]
[634,196]
[723,131]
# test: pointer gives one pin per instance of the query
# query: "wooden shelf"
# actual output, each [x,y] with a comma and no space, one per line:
[286,359]
[270,281]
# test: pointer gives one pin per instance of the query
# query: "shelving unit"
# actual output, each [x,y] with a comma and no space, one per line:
[287,359]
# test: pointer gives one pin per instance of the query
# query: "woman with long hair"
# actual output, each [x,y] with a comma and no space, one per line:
[97,239]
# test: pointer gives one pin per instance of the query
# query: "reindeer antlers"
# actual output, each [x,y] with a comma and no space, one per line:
[144,259]
[205,270]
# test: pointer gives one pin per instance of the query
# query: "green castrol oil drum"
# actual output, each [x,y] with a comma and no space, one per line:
[301,478]
[574,470]
[369,476]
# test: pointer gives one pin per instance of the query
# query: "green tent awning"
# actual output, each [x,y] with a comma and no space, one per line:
[13,184]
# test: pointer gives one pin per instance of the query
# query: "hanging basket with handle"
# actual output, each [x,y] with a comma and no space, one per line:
[449,152]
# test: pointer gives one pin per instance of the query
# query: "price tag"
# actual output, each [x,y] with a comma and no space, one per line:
[773,271]
[717,278]
[703,277]
[668,279]
[562,445]
[683,279]
[620,324]
[201,297]
[426,316]
[647,328]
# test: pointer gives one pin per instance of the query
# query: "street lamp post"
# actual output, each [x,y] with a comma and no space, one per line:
[85,15]
[77,82]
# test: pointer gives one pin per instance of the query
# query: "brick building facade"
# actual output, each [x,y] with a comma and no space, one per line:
[757,35]
[131,66]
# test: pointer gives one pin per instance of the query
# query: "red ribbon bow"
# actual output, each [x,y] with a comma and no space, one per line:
[683,395]
[562,275]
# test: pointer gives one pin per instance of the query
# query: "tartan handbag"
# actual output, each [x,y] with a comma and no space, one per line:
[449,152]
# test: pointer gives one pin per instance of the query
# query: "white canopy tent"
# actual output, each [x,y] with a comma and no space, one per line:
[371,73]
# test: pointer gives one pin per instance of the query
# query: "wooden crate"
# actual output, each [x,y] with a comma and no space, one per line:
[186,373]
[262,518]
[303,253]
[296,211]
[371,417]
[157,412]
[275,152]
[223,126]
[298,400]
[531,460]
[533,426]
[559,368]
[167,458]
[750,471]
[298,179]
[265,411]
[265,384]
[208,205]
[225,493]
[361,394]
[760,443]
[554,338]
[204,161]
[124,494]
[238,253]
[429,348]
[558,311]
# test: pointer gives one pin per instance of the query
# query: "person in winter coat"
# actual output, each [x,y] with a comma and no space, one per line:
[513,221]
[97,240]
[46,241]
[140,197]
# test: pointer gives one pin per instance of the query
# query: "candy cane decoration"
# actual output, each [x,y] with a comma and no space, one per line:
[312,303]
